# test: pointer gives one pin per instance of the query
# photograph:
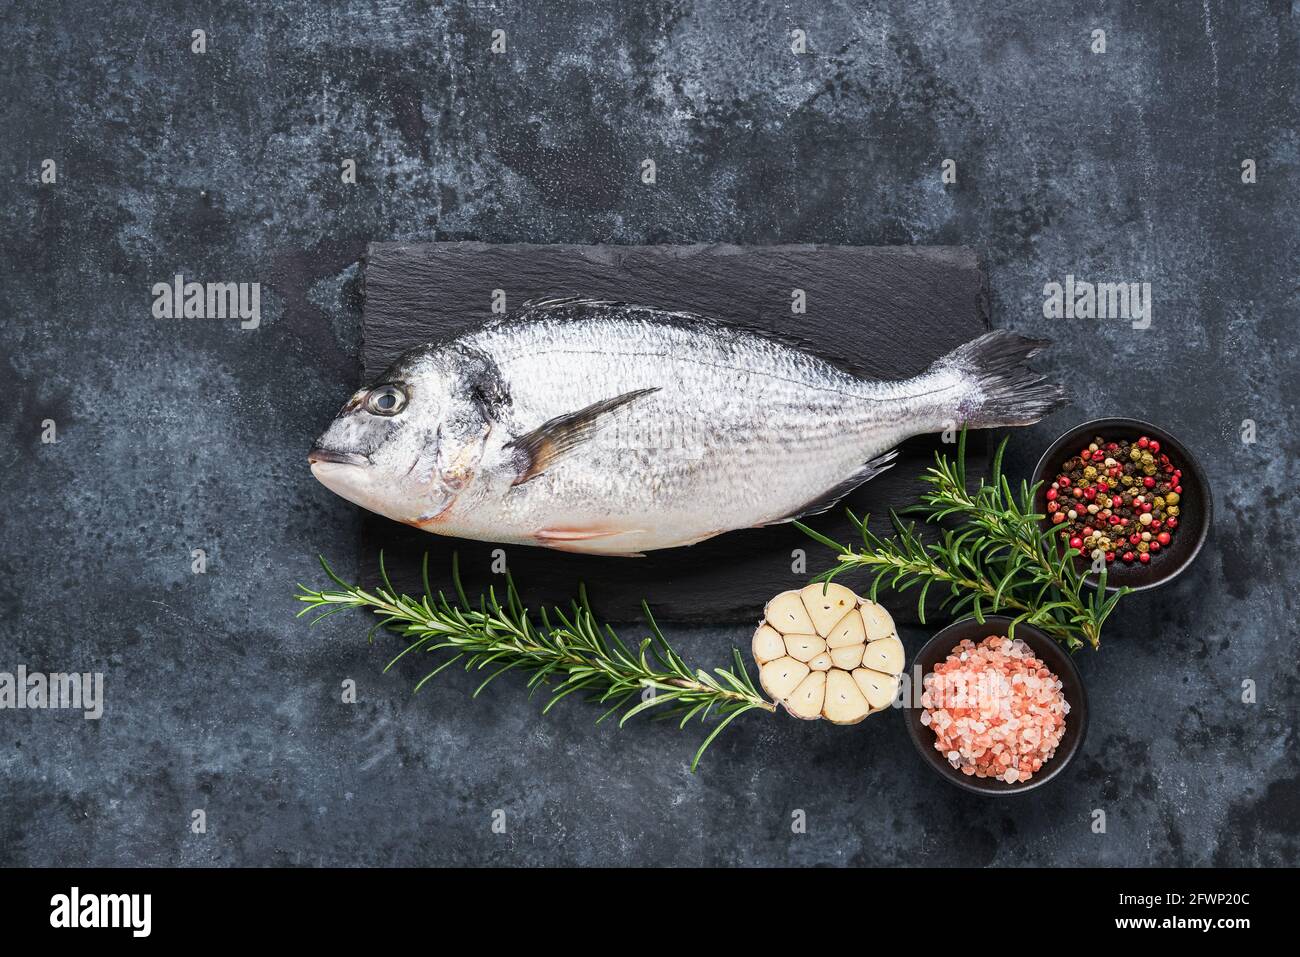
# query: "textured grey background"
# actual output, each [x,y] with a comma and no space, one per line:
[176,435]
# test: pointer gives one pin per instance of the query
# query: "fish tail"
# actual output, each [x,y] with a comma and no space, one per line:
[1002,389]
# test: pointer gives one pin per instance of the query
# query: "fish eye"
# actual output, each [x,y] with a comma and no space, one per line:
[386,400]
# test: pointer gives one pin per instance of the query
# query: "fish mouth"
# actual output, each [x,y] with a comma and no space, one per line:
[319,455]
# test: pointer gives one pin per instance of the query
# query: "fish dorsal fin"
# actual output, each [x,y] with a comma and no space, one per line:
[539,449]
[827,500]
[557,302]
[629,308]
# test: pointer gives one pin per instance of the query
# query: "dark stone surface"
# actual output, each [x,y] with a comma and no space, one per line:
[175,435]
[881,312]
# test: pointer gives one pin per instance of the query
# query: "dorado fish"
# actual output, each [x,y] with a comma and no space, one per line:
[615,429]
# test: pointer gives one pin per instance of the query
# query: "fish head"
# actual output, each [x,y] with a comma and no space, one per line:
[407,444]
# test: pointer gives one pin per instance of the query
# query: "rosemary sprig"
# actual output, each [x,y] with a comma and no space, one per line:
[566,652]
[993,555]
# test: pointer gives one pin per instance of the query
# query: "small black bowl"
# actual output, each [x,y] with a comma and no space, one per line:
[1195,505]
[1049,652]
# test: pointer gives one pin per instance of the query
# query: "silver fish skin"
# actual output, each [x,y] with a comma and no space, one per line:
[615,429]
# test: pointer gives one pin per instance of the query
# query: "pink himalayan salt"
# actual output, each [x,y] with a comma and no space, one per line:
[996,710]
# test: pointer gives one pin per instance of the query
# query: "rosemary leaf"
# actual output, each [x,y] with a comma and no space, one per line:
[568,651]
[994,556]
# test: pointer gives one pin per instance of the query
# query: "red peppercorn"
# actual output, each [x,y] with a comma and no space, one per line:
[1114,519]
[1146,506]
[1178,489]
[1110,556]
[1163,538]
[1128,557]
[1090,493]
[1171,522]
[1149,482]
[1058,518]
[1144,557]
[1085,455]
[1155,546]
[1051,494]
[1155,446]
[1134,538]
[1076,542]
[1143,442]
[1063,481]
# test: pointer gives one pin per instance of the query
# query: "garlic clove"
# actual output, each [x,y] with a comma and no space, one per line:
[827,604]
[884,655]
[879,689]
[807,699]
[782,676]
[877,621]
[804,647]
[845,702]
[768,645]
[848,658]
[821,663]
[787,614]
[849,630]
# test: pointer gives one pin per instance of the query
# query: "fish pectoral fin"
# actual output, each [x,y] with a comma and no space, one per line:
[571,538]
[538,450]
[827,500]
[581,533]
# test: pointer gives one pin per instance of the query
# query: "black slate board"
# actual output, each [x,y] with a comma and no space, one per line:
[884,312]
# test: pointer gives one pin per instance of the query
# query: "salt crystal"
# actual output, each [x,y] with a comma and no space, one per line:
[1009,709]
